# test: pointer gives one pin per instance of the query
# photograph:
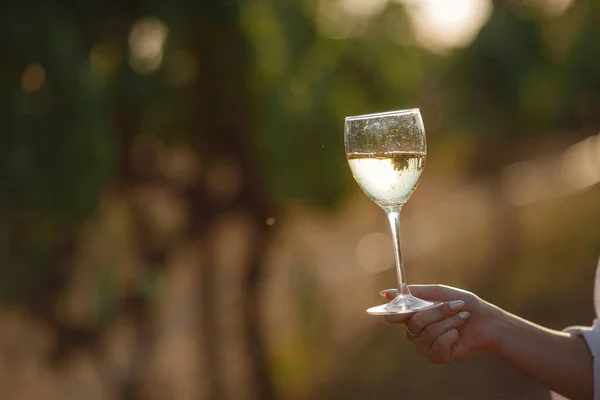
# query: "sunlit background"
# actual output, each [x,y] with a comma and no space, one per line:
[178,219]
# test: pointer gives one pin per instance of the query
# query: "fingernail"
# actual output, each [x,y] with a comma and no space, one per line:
[463,314]
[384,293]
[456,304]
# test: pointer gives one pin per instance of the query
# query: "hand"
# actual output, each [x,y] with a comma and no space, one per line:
[460,328]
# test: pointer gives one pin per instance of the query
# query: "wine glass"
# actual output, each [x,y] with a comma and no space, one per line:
[386,152]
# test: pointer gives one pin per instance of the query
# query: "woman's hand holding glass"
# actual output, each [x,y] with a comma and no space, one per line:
[441,334]
[465,325]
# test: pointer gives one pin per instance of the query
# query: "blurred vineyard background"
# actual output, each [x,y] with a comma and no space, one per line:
[178,221]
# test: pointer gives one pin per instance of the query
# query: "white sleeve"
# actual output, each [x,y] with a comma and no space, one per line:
[592,338]
[591,335]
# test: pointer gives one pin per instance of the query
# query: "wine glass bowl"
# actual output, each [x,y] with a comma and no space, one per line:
[387,153]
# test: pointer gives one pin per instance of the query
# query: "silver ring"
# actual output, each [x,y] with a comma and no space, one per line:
[410,333]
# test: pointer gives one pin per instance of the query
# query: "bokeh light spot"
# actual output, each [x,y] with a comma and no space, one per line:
[224,180]
[363,8]
[33,78]
[373,252]
[553,8]
[580,164]
[443,24]
[146,43]
[270,221]
[180,164]
[577,168]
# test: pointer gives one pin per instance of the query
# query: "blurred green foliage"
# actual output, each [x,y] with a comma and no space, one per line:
[58,148]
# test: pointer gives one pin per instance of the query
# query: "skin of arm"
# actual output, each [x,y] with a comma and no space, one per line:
[558,360]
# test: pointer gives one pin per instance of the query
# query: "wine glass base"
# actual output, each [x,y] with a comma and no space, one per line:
[403,305]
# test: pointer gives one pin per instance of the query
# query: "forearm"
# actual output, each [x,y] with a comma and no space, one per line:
[558,360]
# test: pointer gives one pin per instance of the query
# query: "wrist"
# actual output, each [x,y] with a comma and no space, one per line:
[497,321]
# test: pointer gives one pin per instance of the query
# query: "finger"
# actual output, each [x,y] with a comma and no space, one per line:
[388,294]
[430,292]
[421,319]
[432,331]
[441,351]
[438,292]
[398,318]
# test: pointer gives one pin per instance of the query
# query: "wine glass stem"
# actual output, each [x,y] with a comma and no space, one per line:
[393,214]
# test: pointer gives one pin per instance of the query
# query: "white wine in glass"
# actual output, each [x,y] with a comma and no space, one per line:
[386,153]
